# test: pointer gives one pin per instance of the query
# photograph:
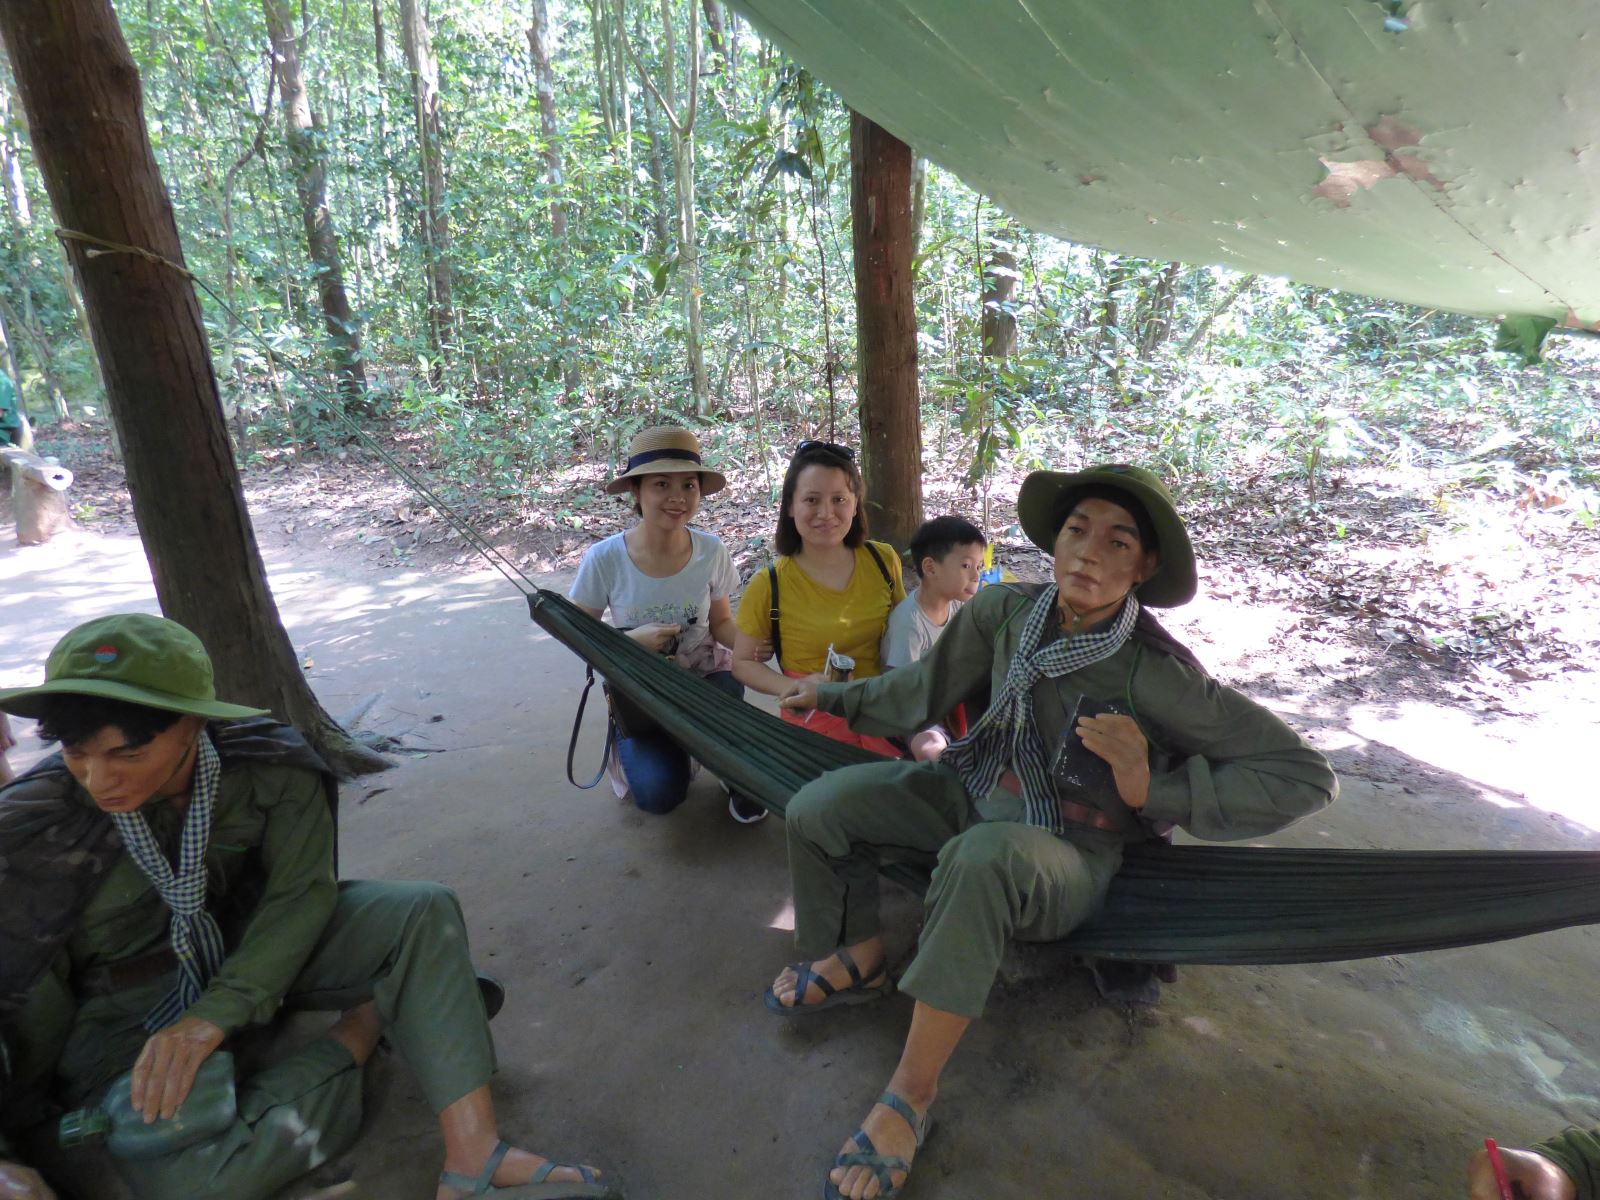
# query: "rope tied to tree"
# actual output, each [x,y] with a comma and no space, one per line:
[97,246]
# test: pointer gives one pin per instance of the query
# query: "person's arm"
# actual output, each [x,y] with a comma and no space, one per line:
[591,593]
[752,642]
[18,1182]
[1241,771]
[896,649]
[1565,1167]
[299,896]
[296,902]
[720,619]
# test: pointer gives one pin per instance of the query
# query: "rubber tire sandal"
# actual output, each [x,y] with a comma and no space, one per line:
[882,1165]
[860,991]
[540,1187]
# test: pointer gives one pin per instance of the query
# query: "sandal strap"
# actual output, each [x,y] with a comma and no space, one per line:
[849,962]
[804,977]
[881,1165]
[477,1186]
[543,1173]
[919,1125]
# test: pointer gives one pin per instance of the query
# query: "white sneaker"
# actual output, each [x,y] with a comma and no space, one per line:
[744,810]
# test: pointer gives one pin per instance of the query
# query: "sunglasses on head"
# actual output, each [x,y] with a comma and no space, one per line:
[811,444]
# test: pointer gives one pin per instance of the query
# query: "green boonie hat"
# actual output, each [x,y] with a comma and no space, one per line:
[135,658]
[1039,513]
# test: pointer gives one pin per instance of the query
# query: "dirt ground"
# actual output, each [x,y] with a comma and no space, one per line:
[635,949]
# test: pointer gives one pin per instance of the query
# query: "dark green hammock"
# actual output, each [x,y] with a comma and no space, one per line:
[1177,904]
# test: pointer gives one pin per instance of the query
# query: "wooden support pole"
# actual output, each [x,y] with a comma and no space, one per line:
[886,330]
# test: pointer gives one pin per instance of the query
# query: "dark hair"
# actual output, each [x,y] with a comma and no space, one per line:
[1106,491]
[936,538]
[817,454]
[73,720]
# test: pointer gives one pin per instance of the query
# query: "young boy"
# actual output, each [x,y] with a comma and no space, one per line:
[948,555]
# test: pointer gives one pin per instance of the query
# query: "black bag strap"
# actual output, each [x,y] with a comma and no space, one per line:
[772,613]
[577,725]
[883,568]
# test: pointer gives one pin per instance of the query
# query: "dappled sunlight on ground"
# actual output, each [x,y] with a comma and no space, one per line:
[1539,764]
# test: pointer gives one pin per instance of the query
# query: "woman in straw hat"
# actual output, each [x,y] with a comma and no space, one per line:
[671,587]
[1025,837]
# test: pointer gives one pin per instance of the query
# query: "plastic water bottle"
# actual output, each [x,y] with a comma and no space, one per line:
[209,1109]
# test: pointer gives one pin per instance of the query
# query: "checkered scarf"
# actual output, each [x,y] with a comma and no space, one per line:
[1006,736]
[196,939]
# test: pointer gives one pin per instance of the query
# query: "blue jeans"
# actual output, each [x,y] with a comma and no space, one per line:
[656,767]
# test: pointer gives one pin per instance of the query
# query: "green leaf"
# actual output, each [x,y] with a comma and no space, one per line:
[1523,336]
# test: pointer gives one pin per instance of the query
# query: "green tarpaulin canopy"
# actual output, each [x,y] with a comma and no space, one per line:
[1439,152]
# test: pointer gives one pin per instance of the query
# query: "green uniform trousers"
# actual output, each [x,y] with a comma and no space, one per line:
[993,879]
[402,946]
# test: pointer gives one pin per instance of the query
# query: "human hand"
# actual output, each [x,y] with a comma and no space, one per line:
[1120,741]
[7,738]
[655,637]
[928,745]
[166,1067]
[1532,1177]
[802,693]
[18,1182]
[761,651]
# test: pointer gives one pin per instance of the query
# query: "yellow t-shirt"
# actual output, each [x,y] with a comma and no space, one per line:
[813,616]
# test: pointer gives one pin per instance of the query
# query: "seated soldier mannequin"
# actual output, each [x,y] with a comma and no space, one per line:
[169,881]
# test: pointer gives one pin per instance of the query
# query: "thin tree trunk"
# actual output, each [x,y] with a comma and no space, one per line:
[886,330]
[598,22]
[682,129]
[430,146]
[1199,334]
[919,202]
[25,325]
[305,142]
[13,181]
[80,89]
[391,208]
[545,88]
[544,82]
[999,288]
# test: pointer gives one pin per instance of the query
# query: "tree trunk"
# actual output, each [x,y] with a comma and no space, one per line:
[919,202]
[391,208]
[1199,335]
[999,286]
[545,88]
[306,152]
[80,90]
[430,146]
[544,82]
[886,330]
[682,129]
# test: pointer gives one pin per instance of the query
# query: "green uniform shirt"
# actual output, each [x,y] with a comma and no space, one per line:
[1222,766]
[1577,1152]
[270,883]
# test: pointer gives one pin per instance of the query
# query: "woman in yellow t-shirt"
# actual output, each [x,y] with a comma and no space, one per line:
[835,588]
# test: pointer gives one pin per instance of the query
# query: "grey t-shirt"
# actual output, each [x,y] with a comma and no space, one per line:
[910,634]
[607,578]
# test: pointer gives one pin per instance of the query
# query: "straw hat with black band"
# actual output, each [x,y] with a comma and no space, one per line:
[1043,505]
[666,450]
[134,658]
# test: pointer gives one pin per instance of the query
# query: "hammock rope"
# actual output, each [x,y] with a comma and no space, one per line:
[1224,905]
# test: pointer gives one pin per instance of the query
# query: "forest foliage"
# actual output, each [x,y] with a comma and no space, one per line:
[560,220]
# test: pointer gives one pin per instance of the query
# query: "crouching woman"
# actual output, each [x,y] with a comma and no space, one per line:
[1015,851]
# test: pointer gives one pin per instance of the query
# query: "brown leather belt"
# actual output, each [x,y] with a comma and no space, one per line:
[126,973]
[1071,811]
